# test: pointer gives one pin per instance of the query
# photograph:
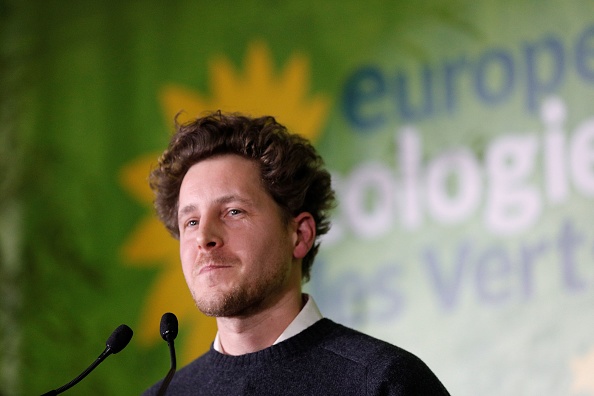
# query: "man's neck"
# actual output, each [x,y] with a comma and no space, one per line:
[241,335]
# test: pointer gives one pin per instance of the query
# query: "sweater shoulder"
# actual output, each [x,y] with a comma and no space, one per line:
[358,346]
[388,366]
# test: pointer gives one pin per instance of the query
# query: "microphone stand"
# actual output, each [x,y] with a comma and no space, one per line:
[171,372]
[115,343]
[82,375]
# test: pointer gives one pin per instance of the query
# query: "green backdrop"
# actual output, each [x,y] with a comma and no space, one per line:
[460,136]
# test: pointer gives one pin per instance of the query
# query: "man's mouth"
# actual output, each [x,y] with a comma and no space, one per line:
[211,267]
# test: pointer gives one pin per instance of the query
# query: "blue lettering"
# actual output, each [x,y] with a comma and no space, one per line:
[529,256]
[370,100]
[568,241]
[493,275]
[447,287]
[494,60]
[452,72]
[404,96]
[355,299]
[584,55]
[384,287]
[362,93]
[537,84]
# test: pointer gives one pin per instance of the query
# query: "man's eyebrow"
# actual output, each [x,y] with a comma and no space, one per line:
[232,198]
[185,210]
[225,199]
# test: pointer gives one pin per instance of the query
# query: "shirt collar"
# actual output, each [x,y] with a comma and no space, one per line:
[309,315]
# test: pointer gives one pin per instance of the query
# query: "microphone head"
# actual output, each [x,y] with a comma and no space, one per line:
[119,338]
[168,326]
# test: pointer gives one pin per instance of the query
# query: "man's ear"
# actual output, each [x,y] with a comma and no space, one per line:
[304,235]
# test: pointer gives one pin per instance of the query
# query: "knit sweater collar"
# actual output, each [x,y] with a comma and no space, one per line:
[283,350]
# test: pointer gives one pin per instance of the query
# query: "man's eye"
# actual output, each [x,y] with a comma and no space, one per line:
[234,212]
[192,223]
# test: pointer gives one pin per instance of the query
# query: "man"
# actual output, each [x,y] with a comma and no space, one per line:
[248,201]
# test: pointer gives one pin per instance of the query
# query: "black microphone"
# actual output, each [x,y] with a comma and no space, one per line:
[168,333]
[115,343]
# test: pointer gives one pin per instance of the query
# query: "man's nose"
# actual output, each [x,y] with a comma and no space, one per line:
[209,234]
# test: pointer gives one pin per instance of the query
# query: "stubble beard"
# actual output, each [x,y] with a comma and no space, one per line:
[245,298]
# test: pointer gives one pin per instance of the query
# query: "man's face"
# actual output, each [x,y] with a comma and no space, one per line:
[236,251]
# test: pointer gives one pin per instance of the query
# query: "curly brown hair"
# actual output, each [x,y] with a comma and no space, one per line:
[291,169]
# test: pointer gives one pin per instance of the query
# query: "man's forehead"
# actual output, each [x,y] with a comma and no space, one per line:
[220,180]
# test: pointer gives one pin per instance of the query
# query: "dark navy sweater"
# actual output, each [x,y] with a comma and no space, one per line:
[325,359]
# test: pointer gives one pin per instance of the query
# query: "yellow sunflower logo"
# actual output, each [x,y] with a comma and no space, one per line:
[258,91]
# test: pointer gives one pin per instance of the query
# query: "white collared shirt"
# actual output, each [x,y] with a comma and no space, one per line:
[309,315]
